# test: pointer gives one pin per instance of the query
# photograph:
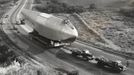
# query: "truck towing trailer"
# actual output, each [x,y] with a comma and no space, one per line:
[101,62]
[115,66]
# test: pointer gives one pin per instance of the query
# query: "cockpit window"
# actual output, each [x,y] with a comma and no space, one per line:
[66,21]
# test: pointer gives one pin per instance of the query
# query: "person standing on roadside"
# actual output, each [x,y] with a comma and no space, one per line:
[127,63]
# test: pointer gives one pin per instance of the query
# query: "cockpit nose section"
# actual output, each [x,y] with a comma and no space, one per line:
[70,32]
[73,31]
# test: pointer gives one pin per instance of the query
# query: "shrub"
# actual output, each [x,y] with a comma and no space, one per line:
[53,6]
[6,55]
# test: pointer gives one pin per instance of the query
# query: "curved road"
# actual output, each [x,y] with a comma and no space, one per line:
[54,57]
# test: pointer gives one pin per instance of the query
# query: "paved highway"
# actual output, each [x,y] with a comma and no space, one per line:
[53,57]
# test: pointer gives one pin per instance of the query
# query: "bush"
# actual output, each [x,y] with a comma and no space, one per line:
[6,1]
[37,1]
[55,7]
[6,55]
[127,11]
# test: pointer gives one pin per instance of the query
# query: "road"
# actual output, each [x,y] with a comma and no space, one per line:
[54,57]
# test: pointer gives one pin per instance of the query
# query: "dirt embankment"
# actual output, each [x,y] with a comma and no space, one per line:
[114,26]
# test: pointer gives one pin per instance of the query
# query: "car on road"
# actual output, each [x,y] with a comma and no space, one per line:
[83,54]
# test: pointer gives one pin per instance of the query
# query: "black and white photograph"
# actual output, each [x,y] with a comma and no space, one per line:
[66,37]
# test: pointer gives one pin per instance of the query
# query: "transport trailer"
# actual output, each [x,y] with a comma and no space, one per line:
[47,42]
[59,31]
